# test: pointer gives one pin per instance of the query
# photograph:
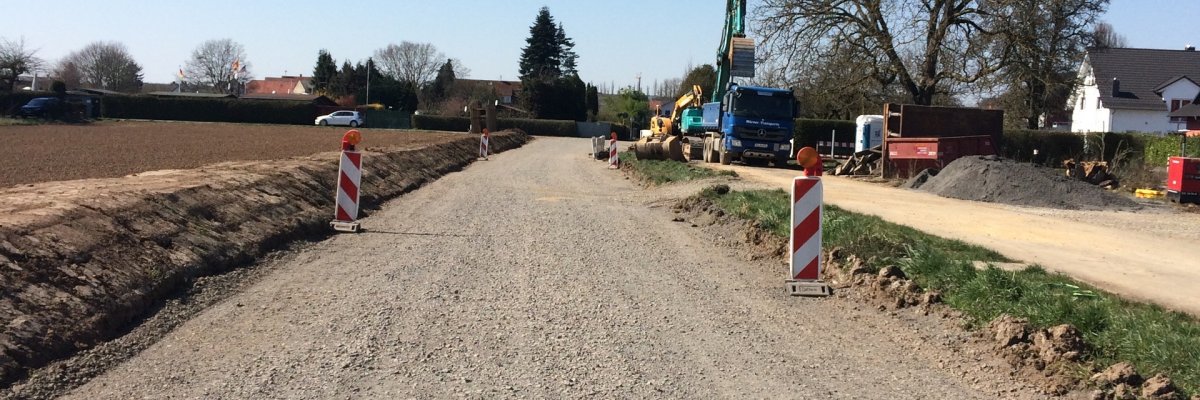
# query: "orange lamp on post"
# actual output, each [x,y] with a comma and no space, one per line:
[351,139]
[811,161]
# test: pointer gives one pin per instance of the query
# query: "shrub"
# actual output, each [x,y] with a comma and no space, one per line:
[209,110]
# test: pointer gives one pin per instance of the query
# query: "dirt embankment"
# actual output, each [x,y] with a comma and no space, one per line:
[81,260]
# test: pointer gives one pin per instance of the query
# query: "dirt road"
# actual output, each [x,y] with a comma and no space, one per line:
[542,274]
[1149,255]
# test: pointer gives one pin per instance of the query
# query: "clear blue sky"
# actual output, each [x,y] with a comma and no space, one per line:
[616,39]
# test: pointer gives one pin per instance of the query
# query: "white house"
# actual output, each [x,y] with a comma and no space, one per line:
[1134,90]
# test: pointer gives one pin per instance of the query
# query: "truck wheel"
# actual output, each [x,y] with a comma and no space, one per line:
[726,158]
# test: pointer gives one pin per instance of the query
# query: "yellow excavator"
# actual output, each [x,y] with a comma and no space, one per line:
[667,139]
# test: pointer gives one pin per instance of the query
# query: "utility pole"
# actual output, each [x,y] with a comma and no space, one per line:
[368,82]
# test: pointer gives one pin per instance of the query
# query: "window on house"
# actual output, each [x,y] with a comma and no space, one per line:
[1178,103]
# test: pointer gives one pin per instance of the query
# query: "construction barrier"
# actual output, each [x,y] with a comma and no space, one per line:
[483,145]
[345,217]
[804,278]
[613,163]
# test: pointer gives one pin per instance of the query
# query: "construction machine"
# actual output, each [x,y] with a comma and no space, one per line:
[745,123]
[742,123]
[668,133]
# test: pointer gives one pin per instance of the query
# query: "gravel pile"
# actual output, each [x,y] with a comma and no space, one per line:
[996,180]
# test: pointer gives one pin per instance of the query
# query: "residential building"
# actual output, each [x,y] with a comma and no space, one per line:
[1134,90]
[506,91]
[280,85]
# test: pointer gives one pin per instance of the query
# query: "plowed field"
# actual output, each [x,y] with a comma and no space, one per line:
[54,152]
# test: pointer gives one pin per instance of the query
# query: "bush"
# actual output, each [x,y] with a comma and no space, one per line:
[541,127]
[807,132]
[12,101]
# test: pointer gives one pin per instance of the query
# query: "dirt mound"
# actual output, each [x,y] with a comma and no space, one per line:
[81,260]
[995,180]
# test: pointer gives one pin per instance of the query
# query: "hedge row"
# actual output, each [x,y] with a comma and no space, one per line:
[209,110]
[10,102]
[542,127]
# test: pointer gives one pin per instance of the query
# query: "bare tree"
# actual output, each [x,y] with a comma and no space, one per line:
[669,87]
[212,64]
[408,62]
[1045,40]
[15,59]
[101,65]
[927,47]
[1105,37]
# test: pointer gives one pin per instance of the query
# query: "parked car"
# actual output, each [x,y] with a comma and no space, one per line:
[348,118]
[41,107]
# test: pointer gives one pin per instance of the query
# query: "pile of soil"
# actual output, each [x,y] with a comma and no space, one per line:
[81,260]
[997,180]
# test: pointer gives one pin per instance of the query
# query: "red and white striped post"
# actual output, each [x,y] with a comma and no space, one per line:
[613,162]
[345,218]
[483,145]
[804,277]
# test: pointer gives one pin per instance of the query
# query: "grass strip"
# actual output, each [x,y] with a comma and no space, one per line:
[659,172]
[1153,339]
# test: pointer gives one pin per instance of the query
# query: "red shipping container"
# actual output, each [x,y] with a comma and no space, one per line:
[911,155]
[1183,175]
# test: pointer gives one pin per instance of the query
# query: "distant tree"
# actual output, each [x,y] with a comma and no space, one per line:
[102,65]
[413,63]
[15,59]
[68,72]
[212,64]
[324,72]
[1045,40]
[566,49]
[442,83]
[59,88]
[705,75]
[1105,37]
[925,47]
[541,56]
[629,103]
[551,87]
[592,100]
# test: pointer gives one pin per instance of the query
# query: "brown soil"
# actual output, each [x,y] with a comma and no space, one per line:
[81,260]
[41,153]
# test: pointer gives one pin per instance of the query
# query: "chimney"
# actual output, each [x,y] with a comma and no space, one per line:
[1189,48]
[1116,88]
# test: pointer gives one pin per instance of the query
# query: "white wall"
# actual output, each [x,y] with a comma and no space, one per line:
[1181,90]
[1140,121]
[1090,118]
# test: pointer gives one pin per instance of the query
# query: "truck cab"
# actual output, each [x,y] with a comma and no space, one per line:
[750,124]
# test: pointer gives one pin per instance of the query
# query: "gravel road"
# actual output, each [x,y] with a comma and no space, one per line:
[542,274]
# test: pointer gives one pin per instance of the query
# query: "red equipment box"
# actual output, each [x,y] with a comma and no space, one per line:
[1183,179]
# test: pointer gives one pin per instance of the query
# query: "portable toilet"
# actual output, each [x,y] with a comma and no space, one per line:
[868,132]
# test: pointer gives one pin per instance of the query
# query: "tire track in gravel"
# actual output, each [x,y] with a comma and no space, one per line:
[540,274]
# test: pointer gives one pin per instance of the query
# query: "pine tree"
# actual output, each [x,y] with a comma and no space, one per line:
[443,82]
[540,58]
[566,50]
[324,73]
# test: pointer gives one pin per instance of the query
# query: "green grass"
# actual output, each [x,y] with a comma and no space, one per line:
[665,171]
[1153,339]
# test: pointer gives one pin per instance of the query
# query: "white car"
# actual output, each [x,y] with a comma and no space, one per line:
[348,118]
